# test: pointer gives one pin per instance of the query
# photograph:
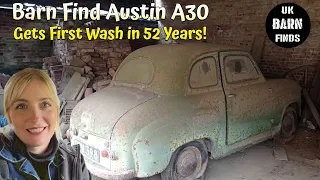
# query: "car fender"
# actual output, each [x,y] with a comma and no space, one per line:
[295,101]
[293,97]
[154,144]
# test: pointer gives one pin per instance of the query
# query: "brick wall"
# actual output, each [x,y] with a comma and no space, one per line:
[239,22]
[14,54]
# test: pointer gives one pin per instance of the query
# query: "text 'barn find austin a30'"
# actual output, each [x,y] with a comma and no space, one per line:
[171,107]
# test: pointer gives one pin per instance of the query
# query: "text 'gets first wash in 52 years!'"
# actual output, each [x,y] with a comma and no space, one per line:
[188,12]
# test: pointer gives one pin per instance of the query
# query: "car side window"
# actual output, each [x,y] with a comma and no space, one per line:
[204,73]
[239,68]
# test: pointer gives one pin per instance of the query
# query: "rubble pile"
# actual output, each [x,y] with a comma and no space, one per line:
[79,68]
[97,59]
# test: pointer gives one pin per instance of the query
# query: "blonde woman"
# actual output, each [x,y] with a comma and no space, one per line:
[29,147]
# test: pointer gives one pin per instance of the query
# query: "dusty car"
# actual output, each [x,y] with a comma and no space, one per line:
[171,107]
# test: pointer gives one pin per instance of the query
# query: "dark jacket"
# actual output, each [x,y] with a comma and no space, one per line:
[66,164]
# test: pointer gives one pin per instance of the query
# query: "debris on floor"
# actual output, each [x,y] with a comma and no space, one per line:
[305,144]
[75,86]
[310,125]
[280,153]
[62,73]
[72,93]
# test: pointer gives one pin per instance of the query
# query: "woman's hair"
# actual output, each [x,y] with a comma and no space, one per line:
[17,83]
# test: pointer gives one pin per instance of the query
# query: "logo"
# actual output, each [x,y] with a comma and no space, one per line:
[288,25]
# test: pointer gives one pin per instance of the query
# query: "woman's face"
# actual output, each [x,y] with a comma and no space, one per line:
[34,115]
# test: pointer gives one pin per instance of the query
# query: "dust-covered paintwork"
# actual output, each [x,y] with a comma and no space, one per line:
[150,109]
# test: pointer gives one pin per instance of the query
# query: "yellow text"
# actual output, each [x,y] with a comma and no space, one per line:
[20,34]
[57,33]
[103,34]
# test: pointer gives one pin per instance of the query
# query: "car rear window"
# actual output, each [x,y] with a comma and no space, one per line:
[138,71]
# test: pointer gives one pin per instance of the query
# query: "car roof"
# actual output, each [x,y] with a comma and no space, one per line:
[188,49]
[172,62]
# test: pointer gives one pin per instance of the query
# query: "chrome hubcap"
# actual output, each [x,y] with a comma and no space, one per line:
[288,124]
[188,163]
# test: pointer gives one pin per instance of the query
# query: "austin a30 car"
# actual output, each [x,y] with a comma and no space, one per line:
[171,107]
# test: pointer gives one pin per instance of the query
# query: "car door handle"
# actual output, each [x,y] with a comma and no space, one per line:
[231,95]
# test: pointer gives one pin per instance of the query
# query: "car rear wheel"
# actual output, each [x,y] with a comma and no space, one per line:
[289,124]
[189,162]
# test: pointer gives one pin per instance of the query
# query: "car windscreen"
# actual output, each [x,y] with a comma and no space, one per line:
[139,70]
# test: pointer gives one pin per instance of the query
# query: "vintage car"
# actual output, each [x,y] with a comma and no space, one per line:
[170,107]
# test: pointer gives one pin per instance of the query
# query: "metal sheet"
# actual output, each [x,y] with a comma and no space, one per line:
[73,87]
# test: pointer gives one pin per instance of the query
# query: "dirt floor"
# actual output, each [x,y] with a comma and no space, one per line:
[259,163]
[306,144]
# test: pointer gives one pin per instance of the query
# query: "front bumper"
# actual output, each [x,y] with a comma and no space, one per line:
[104,173]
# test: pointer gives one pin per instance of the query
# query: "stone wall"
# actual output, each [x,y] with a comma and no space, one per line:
[98,54]
[103,57]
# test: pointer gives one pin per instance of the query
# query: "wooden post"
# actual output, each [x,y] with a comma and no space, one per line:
[312,107]
[315,91]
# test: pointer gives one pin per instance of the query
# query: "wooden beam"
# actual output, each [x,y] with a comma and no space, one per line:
[312,107]
[257,48]
[315,91]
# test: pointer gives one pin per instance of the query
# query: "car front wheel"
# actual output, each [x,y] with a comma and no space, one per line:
[289,124]
[189,162]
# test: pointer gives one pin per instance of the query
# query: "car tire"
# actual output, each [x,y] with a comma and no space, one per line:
[189,162]
[289,124]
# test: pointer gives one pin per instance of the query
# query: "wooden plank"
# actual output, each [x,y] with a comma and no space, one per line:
[315,91]
[312,107]
[62,104]
[73,87]
[280,153]
[84,87]
[67,74]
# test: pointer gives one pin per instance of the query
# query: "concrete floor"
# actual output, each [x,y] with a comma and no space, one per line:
[258,163]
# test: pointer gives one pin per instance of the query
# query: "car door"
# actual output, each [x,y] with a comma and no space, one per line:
[247,96]
[204,91]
